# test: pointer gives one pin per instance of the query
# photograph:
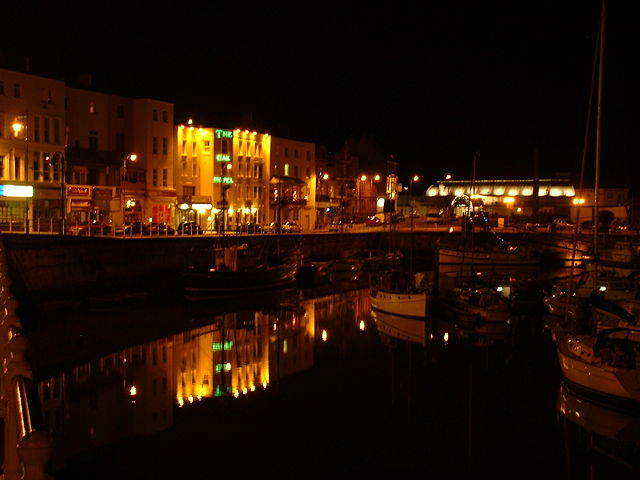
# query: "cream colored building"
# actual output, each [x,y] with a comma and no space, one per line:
[293,182]
[119,158]
[221,176]
[32,139]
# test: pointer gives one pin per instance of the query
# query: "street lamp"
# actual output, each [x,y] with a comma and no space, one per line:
[17,127]
[414,179]
[131,157]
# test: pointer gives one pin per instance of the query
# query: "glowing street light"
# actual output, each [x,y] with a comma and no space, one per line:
[131,157]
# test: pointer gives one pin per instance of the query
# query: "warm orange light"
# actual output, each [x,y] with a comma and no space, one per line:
[17,127]
[363,177]
[325,176]
[508,199]
[133,391]
[362,325]
[133,157]
[324,335]
[578,201]
[416,178]
[447,177]
[376,178]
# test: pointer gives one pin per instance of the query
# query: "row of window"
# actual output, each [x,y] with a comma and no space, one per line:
[17,89]
[296,153]
[165,177]
[43,169]
[45,129]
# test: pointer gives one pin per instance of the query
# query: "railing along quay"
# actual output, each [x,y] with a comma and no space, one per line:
[27,446]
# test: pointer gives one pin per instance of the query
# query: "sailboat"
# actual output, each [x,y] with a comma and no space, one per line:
[399,292]
[604,361]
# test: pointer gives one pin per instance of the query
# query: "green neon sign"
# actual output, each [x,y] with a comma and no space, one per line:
[227,180]
[217,346]
[223,157]
[224,133]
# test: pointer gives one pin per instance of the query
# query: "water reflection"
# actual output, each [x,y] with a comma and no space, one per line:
[305,379]
[133,391]
[599,441]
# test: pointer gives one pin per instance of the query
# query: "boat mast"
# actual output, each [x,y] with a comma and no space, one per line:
[596,197]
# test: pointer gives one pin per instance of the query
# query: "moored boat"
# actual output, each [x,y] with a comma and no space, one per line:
[606,364]
[237,270]
[398,294]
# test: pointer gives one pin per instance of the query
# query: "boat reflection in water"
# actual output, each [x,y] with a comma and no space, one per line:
[600,442]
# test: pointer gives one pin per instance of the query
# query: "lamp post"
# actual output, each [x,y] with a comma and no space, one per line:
[22,124]
[133,157]
[413,179]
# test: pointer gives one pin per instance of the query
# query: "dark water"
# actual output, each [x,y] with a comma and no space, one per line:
[330,390]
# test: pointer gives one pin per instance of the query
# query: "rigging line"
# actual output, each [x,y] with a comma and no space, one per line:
[594,69]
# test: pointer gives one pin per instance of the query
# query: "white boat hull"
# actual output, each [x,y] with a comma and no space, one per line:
[622,383]
[413,304]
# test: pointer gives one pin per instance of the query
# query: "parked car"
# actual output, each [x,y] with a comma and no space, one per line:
[562,223]
[291,227]
[189,228]
[88,229]
[433,218]
[250,228]
[372,221]
[161,228]
[133,228]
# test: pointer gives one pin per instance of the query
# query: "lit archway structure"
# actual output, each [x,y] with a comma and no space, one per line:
[510,196]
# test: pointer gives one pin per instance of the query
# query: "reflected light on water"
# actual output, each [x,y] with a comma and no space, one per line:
[324,335]
[133,391]
[362,325]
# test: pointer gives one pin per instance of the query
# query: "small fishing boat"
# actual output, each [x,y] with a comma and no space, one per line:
[237,270]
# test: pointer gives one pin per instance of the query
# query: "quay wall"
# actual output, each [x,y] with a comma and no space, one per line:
[45,267]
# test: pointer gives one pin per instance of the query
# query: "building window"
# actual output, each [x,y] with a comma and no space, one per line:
[17,90]
[46,95]
[155,145]
[184,167]
[56,131]
[184,147]
[120,142]
[165,117]
[188,191]
[225,146]
[308,171]
[308,155]
[165,177]
[257,171]
[194,168]
[286,169]
[154,177]
[120,111]
[46,130]
[16,168]
[1,166]
[165,145]
[207,146]
[295,171]
[286,152]
[36,128]
[36,166]
[92,107]
[1,125]
[93,139]
[1,87]
[194,149]
[295,153]
[155,115]
[46,167]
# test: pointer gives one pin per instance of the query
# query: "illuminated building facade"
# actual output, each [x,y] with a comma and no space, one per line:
[32,139]
[221,176]
[293,182]
[119,158]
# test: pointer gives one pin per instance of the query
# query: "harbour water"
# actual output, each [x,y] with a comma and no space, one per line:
[308,382]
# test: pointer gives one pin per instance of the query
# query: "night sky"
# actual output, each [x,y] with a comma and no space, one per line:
[431,82]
